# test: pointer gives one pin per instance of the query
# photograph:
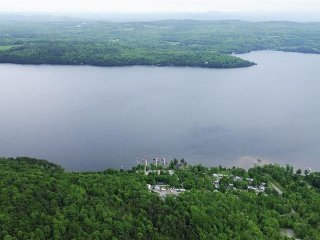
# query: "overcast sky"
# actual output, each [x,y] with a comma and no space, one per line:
[156,5]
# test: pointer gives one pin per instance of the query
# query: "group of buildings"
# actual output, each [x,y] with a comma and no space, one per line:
[250,181]
[163,189]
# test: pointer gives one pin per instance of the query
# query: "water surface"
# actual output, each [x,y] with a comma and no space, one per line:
[91,118]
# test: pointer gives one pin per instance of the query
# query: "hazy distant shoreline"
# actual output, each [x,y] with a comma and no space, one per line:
[255,16]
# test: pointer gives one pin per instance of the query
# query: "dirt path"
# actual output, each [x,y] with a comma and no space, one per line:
[277,189]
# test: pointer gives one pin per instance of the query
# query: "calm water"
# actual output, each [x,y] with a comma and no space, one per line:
[89,118]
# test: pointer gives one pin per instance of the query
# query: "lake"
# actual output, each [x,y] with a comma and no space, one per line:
[92,118]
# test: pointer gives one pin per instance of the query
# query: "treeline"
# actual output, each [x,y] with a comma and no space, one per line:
[114,55]
[164,43]
[38,200]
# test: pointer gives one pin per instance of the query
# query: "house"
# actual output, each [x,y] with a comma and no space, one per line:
[160,186]
[219,175]
[252,188]
[180,189]
[237,178]
[250,180]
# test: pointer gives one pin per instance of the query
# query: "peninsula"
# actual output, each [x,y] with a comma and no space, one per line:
[208,44]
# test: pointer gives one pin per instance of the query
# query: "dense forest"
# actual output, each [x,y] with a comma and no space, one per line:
[29,40]
[39,200]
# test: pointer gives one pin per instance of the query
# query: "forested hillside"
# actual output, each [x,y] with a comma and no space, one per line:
[164,43]
[39,200]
